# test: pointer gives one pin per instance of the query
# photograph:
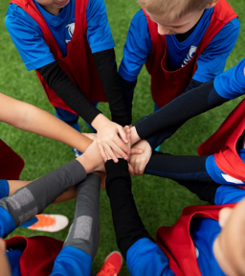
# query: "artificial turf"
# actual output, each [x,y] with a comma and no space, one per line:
[159,201]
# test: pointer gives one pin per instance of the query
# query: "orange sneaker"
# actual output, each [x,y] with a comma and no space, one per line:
[112,265]
[49,223]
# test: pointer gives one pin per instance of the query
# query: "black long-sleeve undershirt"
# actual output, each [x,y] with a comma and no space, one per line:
[107,69]
[72,96]
[181,109]
[127,222]
[128,225]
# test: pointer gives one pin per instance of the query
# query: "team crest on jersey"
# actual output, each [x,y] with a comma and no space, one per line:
[70,29]
[189,55]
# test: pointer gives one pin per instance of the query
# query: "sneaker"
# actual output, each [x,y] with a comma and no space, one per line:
[112,265]
[50,223]
[76,152]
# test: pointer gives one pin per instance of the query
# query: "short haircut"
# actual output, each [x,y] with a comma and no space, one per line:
[174,9]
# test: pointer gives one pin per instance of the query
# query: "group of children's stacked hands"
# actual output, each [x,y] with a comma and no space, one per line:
[184,45]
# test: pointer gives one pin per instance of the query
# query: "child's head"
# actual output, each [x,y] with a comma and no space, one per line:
[53,6]
[229,246]
[176,16]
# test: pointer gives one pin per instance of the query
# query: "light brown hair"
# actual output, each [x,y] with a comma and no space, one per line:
[174,9]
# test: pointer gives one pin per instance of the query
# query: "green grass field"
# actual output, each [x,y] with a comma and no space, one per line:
[159,201]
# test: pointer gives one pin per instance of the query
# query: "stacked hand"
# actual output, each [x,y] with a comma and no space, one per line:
[138,154]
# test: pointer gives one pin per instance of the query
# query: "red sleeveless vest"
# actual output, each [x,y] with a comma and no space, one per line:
[79,63]
[223,144]
[38,256]
[11,164]
[176,241]
[167,85]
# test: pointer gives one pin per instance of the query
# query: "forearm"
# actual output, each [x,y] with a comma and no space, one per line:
[67,91]
[184,168]
[107,69]
[127,222]
[32,199]
[128,91]
[178,111]
[30,118]
[15,185]
[47,125]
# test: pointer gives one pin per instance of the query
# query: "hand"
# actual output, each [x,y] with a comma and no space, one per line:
[139,161]
[91,136]
[112,139]
[91,159]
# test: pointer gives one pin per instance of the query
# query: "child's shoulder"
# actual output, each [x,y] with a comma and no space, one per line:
[17,14]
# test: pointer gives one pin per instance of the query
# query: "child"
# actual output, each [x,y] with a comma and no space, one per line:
[30,118]
[182,43]
[70,45]
[228,85]
[37,255]
[206,240]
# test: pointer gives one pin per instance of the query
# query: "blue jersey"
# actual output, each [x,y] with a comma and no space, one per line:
[4,188]
[231,83]
[219,176]
[145,257]
[210,63]
[28,37]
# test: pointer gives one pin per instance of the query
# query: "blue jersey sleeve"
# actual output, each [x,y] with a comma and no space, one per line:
[72,261]
[212,62]
[28,38]
[7,224]
[4,188]
[231,83]
[99,32]
[137,48]
[228,194]
[145,258]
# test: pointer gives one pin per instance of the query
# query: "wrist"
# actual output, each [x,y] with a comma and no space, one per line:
[86,162]
[98,121]
[134,136]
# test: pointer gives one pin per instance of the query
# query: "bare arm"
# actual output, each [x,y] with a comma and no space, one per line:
[30,118]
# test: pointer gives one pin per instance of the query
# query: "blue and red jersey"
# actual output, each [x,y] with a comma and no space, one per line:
[32,47]
[173,64]
[69,38]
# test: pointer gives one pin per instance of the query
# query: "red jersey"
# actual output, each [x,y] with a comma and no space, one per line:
[176,241]
[11,164]
[38,256]
[79,64]
[223,144]
[167,85]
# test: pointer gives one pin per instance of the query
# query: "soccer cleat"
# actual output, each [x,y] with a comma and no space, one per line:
[49,223]
[112,265]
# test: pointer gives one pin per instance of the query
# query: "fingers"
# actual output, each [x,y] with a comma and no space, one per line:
[102,152]
[130,169]
[136,151]
[122,133]
[118,151]
[120,144]
[110,153]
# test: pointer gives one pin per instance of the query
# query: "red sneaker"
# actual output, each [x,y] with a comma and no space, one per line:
[112,265]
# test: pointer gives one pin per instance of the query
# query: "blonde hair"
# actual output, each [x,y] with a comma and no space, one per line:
[174,9]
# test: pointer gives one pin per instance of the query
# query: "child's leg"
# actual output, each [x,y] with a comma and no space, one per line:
[82,241]
[178,167]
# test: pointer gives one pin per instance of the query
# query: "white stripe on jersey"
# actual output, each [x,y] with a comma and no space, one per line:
[231,179]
